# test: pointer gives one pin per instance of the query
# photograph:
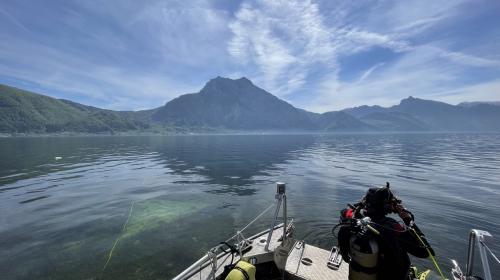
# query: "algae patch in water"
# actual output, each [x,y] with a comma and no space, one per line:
[147,225]
[141,241]
[150,214]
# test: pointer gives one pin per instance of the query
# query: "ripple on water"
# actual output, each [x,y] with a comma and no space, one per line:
[59,219]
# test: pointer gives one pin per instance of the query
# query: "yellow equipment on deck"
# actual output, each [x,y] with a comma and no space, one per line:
[242,271]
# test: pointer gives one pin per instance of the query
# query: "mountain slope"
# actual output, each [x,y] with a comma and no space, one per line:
[25,112]
[443,116]
[478,103]
[437,115]
[232,104]
[414,114]
[225,104]
[364,110]
[341,121]
[486,116]
[394,121]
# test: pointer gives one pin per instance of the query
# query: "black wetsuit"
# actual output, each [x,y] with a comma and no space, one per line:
[395,242]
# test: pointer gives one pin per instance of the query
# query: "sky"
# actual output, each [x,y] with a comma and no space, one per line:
[318,55]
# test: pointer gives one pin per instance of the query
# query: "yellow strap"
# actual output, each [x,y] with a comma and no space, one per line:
[430,254]
[423,275]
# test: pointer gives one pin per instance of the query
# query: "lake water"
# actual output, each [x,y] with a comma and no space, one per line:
[182,195]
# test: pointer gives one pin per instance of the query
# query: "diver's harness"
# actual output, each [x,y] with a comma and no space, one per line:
[363,244]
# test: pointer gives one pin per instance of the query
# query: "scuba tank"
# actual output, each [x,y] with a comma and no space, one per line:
[361,249]
[364,253]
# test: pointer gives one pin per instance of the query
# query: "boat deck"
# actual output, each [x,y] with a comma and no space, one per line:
[258,252]
[295,268]
[317,268]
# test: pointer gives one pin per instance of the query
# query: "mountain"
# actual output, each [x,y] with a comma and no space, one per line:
[485,116]
[386,119]
[394,121]
[364,110]
[233,104]
[437,115]
[236,105]
[415,114]
[240,105]
[443,116]
[341,121]
[471,104]
[25,112]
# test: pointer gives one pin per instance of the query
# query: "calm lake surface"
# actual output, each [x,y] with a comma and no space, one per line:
[182,195]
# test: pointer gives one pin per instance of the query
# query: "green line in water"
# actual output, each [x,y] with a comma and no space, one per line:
[119,237]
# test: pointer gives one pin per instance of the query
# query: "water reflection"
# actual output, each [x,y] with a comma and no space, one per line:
[59,218]
[230,163]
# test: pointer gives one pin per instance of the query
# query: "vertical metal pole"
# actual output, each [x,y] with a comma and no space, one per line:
[284,217]
[271,229]
[281,190]
[213,261]
[280,195]
[470,254]
[478,236]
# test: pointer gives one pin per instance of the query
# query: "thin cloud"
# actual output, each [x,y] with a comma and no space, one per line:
[487,91]
[322,55]
[13,20]
[425,70]
[421,72]
[368,72]
[74,76]
[127,62]
[283,40]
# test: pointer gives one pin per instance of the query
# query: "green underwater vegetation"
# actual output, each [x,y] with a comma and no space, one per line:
[141,237]
[151,214]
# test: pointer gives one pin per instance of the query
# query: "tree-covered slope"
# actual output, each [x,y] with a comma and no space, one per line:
[25,112]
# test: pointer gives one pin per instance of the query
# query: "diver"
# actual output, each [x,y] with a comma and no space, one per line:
[376,246]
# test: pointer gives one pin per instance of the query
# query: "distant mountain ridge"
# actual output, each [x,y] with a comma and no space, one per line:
[225,105]
[414,114]
[471,104]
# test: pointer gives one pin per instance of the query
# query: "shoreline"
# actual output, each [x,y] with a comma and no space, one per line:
[229,133]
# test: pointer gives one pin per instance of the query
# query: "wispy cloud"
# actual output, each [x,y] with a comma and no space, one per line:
[73,77]
[283,39]
[187,32]
[137,57]
[422,72]
[294,43]
[368,72]
[7,16]
[486,91]
[322,55]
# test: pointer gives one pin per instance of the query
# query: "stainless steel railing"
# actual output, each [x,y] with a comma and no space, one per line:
[477,238]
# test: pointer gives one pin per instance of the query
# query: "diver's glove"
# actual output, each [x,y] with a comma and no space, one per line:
[405,215]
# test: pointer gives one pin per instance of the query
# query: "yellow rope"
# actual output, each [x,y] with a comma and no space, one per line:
[118,238]
[430,254]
